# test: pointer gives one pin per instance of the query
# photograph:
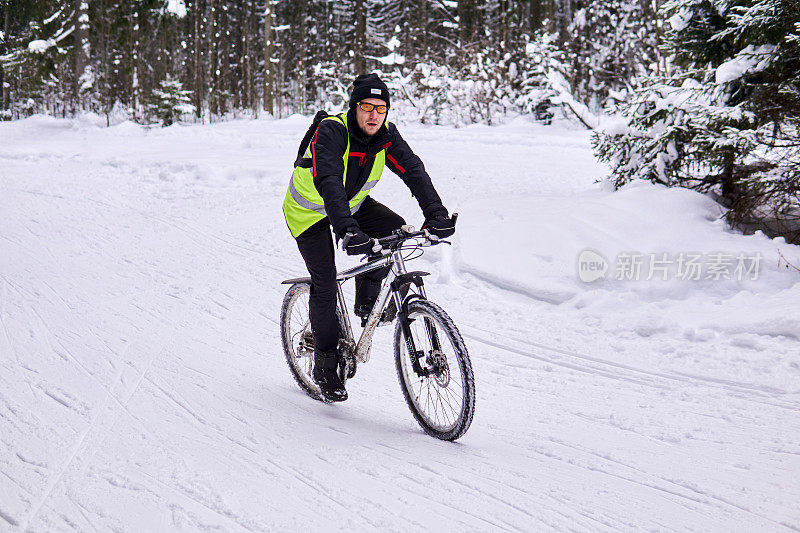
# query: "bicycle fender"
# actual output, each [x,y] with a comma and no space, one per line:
[415,277]
[295,280]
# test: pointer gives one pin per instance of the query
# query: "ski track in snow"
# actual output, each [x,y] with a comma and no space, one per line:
[143,385]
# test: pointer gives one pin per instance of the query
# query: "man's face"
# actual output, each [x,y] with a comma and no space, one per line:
[370,122]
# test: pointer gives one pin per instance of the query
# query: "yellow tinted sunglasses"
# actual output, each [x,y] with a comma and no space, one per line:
[367,108]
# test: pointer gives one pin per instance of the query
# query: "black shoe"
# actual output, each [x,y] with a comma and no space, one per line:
[326,376]
[363,310]
[388,315]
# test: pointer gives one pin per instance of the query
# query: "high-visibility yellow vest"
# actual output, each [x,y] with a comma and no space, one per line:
[303,206]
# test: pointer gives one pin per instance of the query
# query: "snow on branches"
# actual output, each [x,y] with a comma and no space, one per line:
[728,120]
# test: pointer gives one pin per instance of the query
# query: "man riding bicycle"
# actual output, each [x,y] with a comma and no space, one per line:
[330,186]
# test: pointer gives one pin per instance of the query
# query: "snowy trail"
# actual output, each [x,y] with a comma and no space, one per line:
[143,386]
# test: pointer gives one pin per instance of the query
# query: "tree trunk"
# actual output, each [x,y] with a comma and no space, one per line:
[563,16]
[466,21]
[213,67]
[536,15]
[503,6]
[247,56]
[198,81]
[134,43]
[360,61]
[104,43]
[269,51]
[4,91]
[81,22]
[299,68]
[549,14]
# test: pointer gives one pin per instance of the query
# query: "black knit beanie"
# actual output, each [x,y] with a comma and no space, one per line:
[368,86]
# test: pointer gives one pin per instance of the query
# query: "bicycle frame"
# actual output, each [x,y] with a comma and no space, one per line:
[395,259]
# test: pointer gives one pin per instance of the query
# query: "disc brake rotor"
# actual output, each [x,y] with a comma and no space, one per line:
[441,370]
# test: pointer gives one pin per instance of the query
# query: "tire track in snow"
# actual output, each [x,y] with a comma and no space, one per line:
[115,411]
[594,366]
[402,457]
[696,495]
[8,518]
[83,511]
[650,379]
[6,336]
[226,514]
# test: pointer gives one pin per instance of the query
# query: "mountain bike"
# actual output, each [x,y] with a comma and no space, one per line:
[432,362]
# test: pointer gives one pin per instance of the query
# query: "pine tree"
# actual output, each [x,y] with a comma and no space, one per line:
[170,101]
[728,121]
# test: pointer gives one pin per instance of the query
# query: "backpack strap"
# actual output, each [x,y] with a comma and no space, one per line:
[301,160]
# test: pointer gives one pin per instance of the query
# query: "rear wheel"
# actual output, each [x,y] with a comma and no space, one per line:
[298,340]
[441,392]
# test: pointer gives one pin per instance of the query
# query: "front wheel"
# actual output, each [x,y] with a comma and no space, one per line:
[440,391]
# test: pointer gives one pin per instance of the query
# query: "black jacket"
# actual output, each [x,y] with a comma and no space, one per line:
[327,150]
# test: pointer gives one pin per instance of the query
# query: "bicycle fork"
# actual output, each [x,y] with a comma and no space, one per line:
[403,278]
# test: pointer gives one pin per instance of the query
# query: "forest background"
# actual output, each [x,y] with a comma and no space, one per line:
[697,93]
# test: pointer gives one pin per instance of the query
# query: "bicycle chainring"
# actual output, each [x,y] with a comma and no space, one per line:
[305,347]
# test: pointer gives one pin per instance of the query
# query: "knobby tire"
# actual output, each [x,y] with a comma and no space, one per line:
[443,408]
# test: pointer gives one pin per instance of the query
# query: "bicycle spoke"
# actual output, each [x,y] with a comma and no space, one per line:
[432,400]
[442,402]
[299,318]
[444,399]
[436,405]
[428,396]
[441,413]
[449,391]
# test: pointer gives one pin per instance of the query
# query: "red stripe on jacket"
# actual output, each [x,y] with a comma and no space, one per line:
[393,160]
[314,152]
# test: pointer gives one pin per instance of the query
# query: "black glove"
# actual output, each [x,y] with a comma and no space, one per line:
[356,242]
[441,226]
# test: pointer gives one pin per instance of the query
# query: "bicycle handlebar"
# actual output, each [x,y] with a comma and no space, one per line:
[399,236]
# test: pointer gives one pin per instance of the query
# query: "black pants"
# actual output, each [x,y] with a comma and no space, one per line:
[316,247]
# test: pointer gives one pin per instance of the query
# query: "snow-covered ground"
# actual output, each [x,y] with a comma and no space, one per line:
[143,385]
